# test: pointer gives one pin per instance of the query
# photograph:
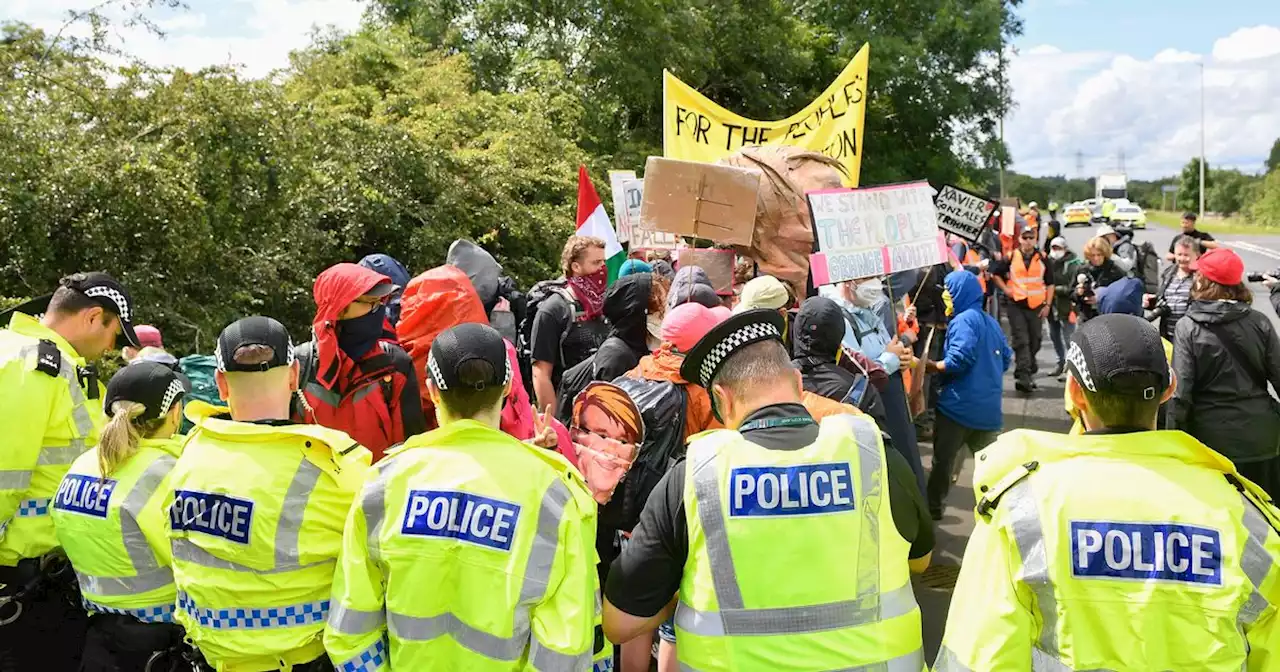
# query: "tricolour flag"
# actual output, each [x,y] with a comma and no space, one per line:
[592,221]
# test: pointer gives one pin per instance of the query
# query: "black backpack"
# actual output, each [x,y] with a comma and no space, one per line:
[1147,267]
[532,301]
[663,407]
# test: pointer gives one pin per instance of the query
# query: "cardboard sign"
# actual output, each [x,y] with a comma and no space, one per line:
[1008,220]
[643,239]
[701,200]
[717,263]
[962,213]
[622,223]
[875,231]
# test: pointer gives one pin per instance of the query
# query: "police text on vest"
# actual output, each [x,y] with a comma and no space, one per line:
[86,495]
[1146,551]
[800,489]
[461,515]
[213,514]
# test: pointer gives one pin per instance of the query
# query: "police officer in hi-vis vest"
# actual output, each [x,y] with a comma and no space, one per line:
[50,413]
[784,540]
[1120,549]
[469,549]
[258,510]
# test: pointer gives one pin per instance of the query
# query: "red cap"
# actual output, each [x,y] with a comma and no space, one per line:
[1220,265]
[149,336]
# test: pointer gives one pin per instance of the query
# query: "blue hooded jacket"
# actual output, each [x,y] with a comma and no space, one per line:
[1121,297]
[976,357]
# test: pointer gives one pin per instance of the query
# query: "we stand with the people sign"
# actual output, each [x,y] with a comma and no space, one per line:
[874,231]
[963,213]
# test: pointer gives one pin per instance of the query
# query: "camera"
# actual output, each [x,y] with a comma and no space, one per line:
[1259,277]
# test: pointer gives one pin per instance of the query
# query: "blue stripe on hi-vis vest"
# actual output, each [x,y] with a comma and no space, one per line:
[85,495]
[461,515]
[1144,551]
[213,514]
[791,491]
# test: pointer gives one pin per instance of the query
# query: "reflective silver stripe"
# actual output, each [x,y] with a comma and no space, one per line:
[135,542]
[79,412]
[186,550]
[536,578]
[796,620]
[348,621]
[870,463]
[373,501]
[1028,534]
[948,661]
[706,488]
[426,628]
[120,586]
[1045,662]
[1255,562]
[550,660]
[15,479]
[289,525]
[324,394]
[60,455]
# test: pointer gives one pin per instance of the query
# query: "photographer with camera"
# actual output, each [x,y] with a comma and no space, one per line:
[1102,270]
[1170,301]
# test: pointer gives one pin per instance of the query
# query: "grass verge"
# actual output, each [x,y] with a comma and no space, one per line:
[1229,225]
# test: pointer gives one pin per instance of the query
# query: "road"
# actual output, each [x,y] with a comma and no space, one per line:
[1043,410]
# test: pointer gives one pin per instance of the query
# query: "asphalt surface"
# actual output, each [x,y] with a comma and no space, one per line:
[1043,410]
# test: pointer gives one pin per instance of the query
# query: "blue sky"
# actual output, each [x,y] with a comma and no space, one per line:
[1092,79]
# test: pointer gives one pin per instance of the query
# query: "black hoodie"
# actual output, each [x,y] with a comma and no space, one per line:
[818,330]
[626,306]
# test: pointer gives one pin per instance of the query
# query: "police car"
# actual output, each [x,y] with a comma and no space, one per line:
[1077,214]
[1129,215]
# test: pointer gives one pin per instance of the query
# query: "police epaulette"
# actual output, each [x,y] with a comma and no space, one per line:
[991,496]
[48,358]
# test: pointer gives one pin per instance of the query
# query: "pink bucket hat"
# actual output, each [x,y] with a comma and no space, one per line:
[686,324]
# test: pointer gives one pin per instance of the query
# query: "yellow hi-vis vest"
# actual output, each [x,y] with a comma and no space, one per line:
[794,560]
[114,531]
[48,420]
[468,550]
[256,528]
[1141,551]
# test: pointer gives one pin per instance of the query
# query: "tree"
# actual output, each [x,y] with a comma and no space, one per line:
[1189,185]
[1273,159]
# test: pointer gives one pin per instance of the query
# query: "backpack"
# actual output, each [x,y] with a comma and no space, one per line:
[663,407]
[305,356]
[200,370]
[1147,267]
[532,302]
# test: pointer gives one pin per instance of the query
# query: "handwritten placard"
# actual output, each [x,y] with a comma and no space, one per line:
[962,213]
[874,231]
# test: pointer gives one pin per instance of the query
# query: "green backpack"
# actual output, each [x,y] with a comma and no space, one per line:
[200,370]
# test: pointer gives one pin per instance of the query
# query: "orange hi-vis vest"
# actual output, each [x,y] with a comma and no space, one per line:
[972,258]
[1026,281]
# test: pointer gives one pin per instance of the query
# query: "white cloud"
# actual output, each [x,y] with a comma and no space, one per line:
[256,35]
[1100,104]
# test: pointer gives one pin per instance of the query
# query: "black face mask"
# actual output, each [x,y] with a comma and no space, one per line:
[358,335]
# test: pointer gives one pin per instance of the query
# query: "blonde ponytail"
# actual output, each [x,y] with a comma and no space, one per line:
[119,439]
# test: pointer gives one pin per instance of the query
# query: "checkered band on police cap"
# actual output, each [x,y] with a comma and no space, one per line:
[705,359]
[151,384]
[466,342]
[1119,354]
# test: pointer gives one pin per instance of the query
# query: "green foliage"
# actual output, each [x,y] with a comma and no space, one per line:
[1265,209]
[1273,159]
[1189,185]
[1229,191]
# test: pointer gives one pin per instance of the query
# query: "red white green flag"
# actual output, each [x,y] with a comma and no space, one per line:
[593,221]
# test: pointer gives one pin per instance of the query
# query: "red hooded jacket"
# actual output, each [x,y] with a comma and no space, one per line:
[374,399]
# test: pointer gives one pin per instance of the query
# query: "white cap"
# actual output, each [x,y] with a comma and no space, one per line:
[1033,204]
[1105,230]
[1058,242]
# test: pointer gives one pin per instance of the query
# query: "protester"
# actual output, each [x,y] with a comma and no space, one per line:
[1125,549]
[817,352]
[1224,354]
[1173,298]
[1025,280]
[663,268]
[148,337]
[971,374]
[50,411]
[1101,271]
[634,266]
[1065,267]
[692,284]
[355,376]
[1189,229]
[568,325]
[1123,252]
[118,543]
[685,534]
[398,275]
[259,505]
[928,310]
[682,327]
[768,292]
[865,333]
[520,586]
[503,303]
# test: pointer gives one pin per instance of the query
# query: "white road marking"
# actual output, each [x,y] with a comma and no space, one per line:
[1256,249]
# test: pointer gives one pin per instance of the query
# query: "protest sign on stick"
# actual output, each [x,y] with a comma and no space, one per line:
[962,213]
[700,200]
[622,222]
[1008,220]
[643,239]
[874,231]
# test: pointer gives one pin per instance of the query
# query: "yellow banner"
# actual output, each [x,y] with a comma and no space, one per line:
[696,129]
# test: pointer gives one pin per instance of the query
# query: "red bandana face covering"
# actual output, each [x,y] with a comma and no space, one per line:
[590,292]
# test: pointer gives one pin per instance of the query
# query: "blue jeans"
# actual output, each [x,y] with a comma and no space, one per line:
[1060,332]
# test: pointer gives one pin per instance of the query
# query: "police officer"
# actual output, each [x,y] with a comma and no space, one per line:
[259,505]
[50,413]
[777,536]
[468,549]
[1120,549]
[111,515]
